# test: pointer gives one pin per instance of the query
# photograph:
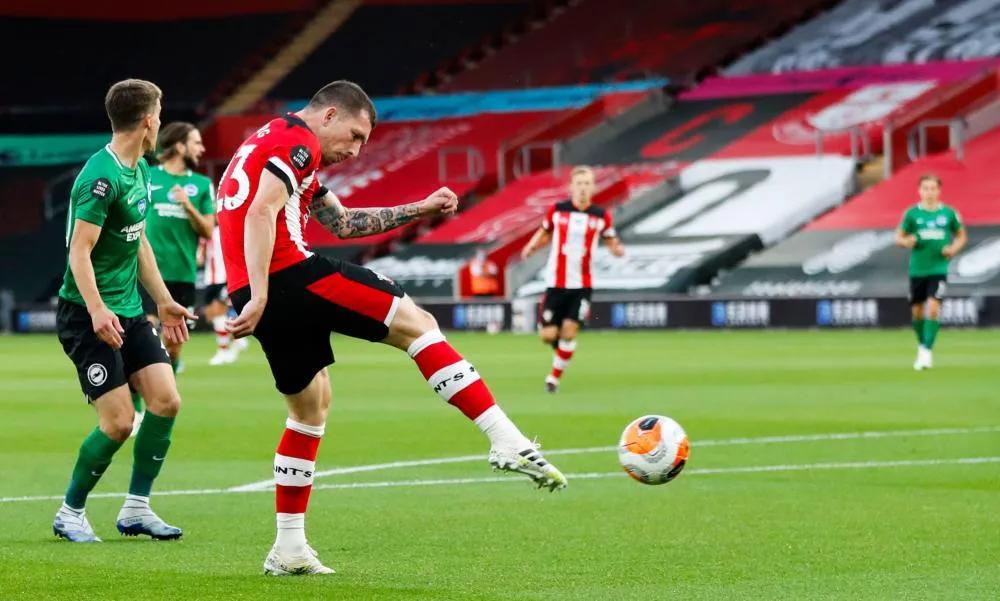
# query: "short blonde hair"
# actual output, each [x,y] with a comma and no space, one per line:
[581,169]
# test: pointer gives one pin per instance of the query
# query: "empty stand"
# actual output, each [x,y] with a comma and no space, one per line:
[972,186]
[185,58]
[593,41]
[411,38]
[406,161]
[874,32]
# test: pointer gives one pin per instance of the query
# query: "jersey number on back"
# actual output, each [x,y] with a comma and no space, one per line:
[236,172]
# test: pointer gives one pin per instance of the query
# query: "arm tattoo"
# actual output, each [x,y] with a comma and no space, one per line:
[356,223]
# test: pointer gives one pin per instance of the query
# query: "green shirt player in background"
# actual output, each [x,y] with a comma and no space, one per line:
[182,212]
[935,234]
[100,322]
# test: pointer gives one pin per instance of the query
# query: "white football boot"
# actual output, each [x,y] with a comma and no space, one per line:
[136,521]
[925,359]
[73,526]
[526,459]
[223,357]
[279,564]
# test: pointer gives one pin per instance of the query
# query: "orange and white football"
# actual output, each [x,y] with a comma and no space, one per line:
[653,449]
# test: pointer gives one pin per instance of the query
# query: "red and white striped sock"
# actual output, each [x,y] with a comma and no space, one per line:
[222,337]
[458,382]
[294,465]
[564,352]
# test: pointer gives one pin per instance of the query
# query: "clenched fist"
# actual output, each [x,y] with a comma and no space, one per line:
[442,202]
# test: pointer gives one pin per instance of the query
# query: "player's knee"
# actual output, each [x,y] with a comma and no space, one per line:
[166,403]
[117,427]
[548,335]
[325,395]
[410,322]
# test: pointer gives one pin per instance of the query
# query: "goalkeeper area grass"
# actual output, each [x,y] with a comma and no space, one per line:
[822,467]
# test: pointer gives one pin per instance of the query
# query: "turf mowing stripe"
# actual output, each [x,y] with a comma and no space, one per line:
[357,469]
[752,469]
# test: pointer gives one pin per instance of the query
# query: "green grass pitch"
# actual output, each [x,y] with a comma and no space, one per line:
[773,505]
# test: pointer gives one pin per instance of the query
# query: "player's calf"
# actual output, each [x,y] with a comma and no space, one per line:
[159,390]
[459,383]
[549,335]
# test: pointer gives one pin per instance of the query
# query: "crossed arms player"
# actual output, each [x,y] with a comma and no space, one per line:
[267,194]
[574,228]
[100,321]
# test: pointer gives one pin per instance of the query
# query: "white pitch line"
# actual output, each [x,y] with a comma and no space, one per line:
[722,442]
[751,469]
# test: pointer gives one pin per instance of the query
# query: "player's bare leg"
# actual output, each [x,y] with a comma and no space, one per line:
[565,346]
[158,387]
[225,352]
[456,380]
[114,416]
[294,465]
[931,325]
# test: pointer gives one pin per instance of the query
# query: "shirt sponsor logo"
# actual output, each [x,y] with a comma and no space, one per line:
[639,315]
[741,314]
[132,232]
[847,312]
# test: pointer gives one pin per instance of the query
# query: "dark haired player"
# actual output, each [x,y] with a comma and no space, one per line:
[267,194]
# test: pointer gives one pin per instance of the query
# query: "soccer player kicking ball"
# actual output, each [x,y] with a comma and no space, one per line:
[935,234]
[100,322]
[182,212]
[574,228]
[267,194]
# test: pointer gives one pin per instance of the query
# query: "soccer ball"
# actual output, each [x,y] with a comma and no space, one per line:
[653,449]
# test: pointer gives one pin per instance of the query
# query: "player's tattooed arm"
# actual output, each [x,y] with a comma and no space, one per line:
[356,223]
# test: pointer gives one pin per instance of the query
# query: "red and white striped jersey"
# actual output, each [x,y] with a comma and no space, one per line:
[290,150]
[575,234]
[215,265]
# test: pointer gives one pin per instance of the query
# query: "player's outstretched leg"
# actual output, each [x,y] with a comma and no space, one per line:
[114,410]
[294,465]
[159,390]
[458,382]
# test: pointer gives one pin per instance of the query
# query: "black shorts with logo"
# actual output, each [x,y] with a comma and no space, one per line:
[101,368]
[925,287]
[182,292]
[311,300]
[560,304]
